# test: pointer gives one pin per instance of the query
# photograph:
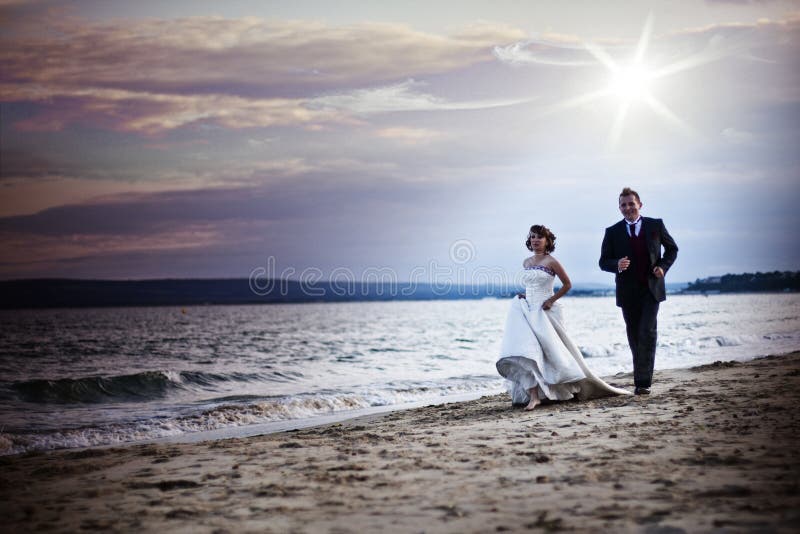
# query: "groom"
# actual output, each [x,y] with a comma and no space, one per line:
[632,251]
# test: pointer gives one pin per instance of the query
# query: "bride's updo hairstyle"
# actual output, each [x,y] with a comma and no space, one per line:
[544,231]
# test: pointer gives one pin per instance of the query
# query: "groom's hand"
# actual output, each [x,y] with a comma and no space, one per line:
[658,272]
[623,264]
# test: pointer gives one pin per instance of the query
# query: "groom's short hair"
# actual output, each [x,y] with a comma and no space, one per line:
[628,191]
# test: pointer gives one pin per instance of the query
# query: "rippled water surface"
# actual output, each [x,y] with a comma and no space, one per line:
[97,376]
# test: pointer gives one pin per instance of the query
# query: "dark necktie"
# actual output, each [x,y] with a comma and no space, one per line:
[632,228]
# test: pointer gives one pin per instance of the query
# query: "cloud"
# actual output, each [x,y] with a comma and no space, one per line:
[312,215]
[25,196]
[22,249]
[18,164]
[152,113]
[263,191]
[737,137]
[543,52]
[400,97]
[155,224]
[152,76]
[410,136]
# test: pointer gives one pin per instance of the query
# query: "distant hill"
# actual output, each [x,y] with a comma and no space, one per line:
[64,293]
[747,282]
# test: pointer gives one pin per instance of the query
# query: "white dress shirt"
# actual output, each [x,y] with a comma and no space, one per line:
[638,224]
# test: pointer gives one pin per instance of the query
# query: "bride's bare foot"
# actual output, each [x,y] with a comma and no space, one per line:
[534,400]
[533,404]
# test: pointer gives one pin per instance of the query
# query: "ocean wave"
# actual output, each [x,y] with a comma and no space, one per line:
[97,389]
[230,413]
[772,337]
[595,351]
[733,341]
[137,387]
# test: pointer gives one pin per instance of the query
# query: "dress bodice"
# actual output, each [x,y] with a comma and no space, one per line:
[538,281]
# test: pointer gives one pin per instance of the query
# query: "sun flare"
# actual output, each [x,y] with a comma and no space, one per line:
[632,83]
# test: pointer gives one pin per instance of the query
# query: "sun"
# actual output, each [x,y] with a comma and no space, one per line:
[631,83]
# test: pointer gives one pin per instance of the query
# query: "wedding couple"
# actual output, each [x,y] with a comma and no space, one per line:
[537,357]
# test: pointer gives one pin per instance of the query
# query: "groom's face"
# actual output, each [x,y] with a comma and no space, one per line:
[629,207]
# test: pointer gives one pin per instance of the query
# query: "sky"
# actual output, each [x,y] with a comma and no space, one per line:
[417,140]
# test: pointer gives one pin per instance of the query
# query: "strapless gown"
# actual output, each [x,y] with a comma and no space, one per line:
[536,351]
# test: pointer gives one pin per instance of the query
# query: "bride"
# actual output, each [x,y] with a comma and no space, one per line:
[537,358]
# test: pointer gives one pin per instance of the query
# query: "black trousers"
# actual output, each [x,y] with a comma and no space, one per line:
[640,311]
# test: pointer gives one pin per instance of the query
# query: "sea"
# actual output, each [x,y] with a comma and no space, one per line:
[108,376]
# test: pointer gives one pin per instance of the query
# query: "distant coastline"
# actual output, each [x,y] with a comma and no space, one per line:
[79,293]
[82,293]
[783,281]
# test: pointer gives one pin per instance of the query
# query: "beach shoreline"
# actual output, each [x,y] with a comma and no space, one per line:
[714,447]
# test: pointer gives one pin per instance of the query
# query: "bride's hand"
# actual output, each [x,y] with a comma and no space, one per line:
[546,305]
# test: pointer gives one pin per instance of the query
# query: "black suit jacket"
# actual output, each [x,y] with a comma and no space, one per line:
[617,244]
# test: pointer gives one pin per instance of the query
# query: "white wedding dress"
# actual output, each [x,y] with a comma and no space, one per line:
[537,352]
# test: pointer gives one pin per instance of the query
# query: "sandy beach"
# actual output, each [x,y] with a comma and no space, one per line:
[714,448]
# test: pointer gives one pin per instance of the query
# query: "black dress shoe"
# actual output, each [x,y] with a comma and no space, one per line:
[641,391]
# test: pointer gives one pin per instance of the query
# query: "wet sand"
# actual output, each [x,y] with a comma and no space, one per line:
[714,448]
